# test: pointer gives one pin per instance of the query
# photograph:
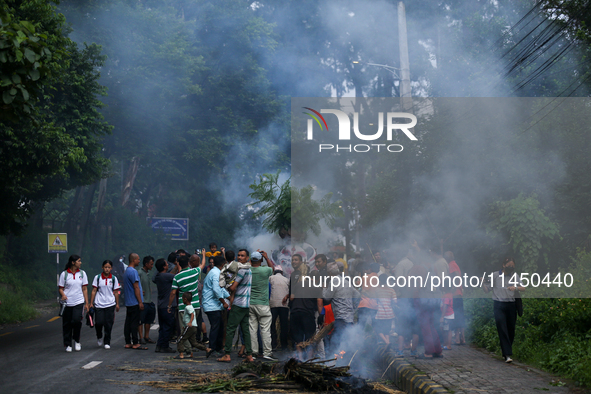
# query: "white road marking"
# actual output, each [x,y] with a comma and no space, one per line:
[154,327]
[91,364]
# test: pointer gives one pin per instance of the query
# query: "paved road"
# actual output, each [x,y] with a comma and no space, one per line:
[33,360]
[468,370]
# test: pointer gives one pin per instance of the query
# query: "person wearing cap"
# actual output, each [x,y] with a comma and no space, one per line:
[279,290]
[260,311]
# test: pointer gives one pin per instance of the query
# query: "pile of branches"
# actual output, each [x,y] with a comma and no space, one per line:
[292,375]
[316,376]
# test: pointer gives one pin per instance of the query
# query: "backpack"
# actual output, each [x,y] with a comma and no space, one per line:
[66,277]
[113,277]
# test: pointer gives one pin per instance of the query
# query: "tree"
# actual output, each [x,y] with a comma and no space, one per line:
[290,210]
[526,229]
[49,120]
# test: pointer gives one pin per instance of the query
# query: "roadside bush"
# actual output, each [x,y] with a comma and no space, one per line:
[553,334]
[13,309]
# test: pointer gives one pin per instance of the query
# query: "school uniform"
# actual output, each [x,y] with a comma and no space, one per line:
[104,305]
[72,284]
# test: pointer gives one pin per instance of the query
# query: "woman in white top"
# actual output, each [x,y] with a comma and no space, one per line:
[72,288]
[105,299]
[505,311]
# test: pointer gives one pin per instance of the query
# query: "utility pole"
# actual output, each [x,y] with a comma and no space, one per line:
[405,93]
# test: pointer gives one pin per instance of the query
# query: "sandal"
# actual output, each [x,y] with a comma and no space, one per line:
[139,348]
[178,357]
[423,357]
[437,355]
[148,340]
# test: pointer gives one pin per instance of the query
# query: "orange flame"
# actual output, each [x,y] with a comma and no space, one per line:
[340,355]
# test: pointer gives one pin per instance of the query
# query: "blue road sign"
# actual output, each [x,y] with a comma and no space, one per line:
[177,228]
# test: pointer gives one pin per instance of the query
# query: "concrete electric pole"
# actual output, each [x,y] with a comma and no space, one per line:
[404,61]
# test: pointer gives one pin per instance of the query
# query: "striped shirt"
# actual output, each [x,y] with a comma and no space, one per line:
[187,280]
[242,294]
[386,295]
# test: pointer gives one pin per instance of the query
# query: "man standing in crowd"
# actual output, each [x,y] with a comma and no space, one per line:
[186,280]
[440,265]
[341,300]
[440,269]
[239,303]
[260,312]
[214,304]
[148,315]
[172,261]
[163,280]
[134,303]
[407,325]
[194,262]
[303,305]
[368,306]
[279,290]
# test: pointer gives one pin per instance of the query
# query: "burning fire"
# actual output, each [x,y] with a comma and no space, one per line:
[340,355]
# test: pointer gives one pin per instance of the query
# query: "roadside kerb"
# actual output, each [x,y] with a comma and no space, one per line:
[408,378]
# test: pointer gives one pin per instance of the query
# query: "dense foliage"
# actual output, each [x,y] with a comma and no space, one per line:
[553,334]
[50,125]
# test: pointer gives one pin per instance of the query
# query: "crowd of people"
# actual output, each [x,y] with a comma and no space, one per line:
[240,294]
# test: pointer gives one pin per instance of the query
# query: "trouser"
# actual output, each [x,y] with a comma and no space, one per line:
[166,326]
[430,337]
[132,322]
[261,315]
[177,324]
[72,323]
[216,329]
[200,334]
[365,315]
[192,338]
[337,342]
[283,315]
[302,326]
[437,314]
[506,318]
[238,317]
[104,318]
[187,341]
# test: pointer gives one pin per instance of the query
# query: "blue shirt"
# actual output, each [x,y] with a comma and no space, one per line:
[212,292]
[131,276]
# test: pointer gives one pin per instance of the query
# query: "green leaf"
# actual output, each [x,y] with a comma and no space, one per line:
[30,55]
[7,98]
[25,93]
[16,78]
[34,74]
[28,25]
[3,57]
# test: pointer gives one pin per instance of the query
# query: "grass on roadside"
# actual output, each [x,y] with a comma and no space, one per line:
[15,307]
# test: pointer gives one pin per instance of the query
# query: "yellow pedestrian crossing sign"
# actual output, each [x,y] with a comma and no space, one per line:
[57,243]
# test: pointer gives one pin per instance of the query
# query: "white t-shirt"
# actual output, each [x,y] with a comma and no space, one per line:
[104,297]
[72,285]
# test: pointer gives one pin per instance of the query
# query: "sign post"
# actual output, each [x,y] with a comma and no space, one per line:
[57,243]
[176,228]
